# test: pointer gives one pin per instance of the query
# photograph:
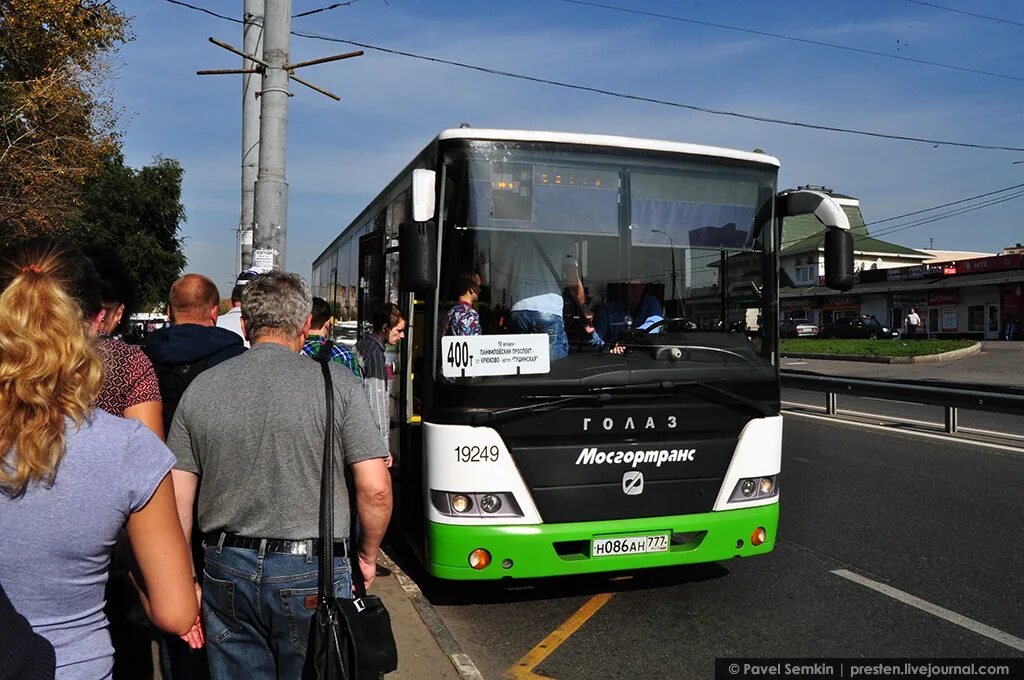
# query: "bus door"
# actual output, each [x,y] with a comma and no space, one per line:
[371,278]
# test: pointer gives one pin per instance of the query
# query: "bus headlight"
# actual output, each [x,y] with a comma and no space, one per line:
[467,504]
[490,503]
[755,488]
[461,504]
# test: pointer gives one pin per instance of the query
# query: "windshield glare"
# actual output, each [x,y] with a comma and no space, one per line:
[605,253]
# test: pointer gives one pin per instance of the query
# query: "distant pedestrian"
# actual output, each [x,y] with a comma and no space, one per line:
[320,332]
[1010,329]
[232,319]
[913,321]
[249,435]
[388,328]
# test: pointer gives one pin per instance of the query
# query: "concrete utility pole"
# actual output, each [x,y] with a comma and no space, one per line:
[270,197]
[252,36]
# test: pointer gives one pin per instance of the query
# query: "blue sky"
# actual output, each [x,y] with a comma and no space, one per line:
[341,154]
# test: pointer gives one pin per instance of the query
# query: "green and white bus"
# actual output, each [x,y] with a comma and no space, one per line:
[567,436]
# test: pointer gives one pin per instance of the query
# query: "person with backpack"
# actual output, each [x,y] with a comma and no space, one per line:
[192,343]
[180,352]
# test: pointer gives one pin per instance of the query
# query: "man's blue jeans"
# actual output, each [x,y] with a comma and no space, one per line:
[257,610]
[529,321]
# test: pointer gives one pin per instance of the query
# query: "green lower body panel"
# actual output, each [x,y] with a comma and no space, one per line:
[538,550]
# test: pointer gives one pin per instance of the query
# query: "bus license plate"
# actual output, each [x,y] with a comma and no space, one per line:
[628,545]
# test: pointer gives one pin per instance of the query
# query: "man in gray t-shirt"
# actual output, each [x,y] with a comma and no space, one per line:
[249,434]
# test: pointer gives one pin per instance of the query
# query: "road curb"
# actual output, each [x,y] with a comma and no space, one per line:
[942,357]
[461,661]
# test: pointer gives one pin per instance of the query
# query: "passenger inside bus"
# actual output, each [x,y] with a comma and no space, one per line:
[530,274]
[462,318]
[639,310]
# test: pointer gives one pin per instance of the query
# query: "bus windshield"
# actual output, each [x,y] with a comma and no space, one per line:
[616,256]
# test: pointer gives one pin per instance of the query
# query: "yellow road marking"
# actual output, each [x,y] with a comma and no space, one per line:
[523,669]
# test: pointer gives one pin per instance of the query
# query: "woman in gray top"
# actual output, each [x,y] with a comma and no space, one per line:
[71,476]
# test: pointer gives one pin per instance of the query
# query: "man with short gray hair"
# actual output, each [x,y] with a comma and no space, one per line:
[253,433]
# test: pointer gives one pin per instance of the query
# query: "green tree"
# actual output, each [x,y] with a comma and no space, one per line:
[57,123]
[138,213]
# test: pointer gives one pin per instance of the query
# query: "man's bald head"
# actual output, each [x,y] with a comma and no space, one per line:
[194,299]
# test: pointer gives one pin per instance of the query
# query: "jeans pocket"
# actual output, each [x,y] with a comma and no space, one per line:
[300,607]
[219,616]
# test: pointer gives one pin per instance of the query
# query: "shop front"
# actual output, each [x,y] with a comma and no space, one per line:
[942,313]
[802,308]
[840,307]
[1012,305]
[902,303]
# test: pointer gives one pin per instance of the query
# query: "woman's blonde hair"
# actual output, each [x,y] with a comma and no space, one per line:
[49,369]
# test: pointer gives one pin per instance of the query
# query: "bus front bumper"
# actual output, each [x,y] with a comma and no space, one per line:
[540,550]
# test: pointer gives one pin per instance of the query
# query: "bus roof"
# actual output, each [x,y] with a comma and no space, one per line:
[606,140]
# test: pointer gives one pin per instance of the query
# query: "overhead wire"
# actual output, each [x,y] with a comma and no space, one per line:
[991,196]
[662,102]
[631,97]
[806,41]
[944,205]
[964,12]
[336,5]
[942,216]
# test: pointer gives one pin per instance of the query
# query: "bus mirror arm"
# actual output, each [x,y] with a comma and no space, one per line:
[838,239]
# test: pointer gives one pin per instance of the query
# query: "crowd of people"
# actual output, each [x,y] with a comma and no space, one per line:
[163,491]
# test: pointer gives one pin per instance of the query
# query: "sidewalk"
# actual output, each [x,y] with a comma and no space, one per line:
[999,363]
[419,656]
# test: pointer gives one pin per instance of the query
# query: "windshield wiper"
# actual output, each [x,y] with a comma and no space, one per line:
[726,397]
[550,405]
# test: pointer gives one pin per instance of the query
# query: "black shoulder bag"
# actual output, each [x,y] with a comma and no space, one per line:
[348,639]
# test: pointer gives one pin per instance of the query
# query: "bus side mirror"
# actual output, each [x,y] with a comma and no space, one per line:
[839,259]
[424,190]
[417,257]
[838,239]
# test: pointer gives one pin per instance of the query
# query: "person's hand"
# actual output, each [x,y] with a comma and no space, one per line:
[618,349]
[195,638]
[390,460]
[368,567]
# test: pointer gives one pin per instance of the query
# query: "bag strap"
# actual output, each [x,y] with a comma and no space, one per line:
[326,562]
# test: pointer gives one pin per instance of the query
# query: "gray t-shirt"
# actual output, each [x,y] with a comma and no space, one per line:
[55,542]
[252,428]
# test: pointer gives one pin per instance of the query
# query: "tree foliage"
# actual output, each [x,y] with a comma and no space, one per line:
[56,123]
[138,213]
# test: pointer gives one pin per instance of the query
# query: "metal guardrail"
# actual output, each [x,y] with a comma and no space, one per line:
[949,397]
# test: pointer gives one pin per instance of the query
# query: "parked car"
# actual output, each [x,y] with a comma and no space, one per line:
[861,328]
[798,328]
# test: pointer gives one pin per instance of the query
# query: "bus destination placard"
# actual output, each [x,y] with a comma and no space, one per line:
[467,356]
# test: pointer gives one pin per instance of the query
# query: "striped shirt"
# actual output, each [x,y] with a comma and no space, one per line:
[370,353]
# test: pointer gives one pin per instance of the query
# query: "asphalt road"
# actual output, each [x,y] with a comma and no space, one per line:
[941,522]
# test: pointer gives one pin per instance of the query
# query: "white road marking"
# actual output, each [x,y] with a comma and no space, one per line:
[909,433]
[935,610]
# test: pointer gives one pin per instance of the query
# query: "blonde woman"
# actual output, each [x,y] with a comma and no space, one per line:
[72,476]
